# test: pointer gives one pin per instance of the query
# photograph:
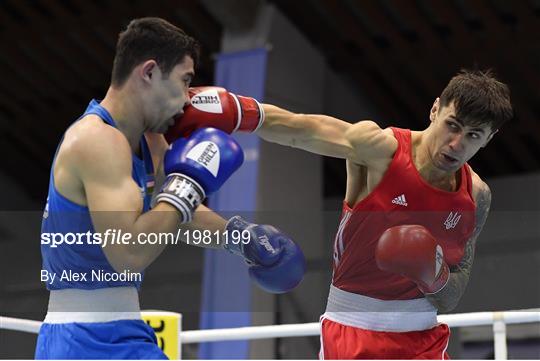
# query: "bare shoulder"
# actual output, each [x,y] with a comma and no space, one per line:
[480,189]
[369,129]
[390,139]
[482,200]
[371,142]
[90,144]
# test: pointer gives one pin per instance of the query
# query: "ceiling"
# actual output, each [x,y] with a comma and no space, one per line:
[404,52]
[57,55]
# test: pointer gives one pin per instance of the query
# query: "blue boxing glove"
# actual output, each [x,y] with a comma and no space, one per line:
[198,166]
[275,262]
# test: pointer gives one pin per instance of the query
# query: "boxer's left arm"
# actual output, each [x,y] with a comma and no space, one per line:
[447,298]
[275,262]
[204,219]
[363,142]
[316,133]
[217,108]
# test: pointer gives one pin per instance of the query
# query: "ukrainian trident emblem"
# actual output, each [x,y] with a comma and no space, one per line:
[452,220]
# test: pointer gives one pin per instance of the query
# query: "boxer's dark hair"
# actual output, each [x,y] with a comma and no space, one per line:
[151,38]
[479,98]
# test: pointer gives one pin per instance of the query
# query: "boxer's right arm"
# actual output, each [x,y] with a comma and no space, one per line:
[114,199]
[362,143]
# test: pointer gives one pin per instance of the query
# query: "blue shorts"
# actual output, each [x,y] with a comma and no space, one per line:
[124,339]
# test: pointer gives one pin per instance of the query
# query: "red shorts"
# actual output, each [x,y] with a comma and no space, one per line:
[340,342]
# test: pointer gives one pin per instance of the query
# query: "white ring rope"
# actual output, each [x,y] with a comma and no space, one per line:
[251,333]
[313,328]
[19,324]
[301,329]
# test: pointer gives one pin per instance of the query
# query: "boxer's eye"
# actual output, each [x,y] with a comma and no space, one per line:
[452,125]
[187,80]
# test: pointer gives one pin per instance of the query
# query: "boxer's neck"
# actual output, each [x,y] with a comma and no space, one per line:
[424,164]
[125,108]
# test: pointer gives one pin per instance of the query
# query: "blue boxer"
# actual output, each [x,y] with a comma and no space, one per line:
[77,332]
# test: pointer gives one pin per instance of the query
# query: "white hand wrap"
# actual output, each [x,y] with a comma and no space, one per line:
[183,193]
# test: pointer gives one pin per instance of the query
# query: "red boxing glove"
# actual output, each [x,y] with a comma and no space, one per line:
[412,251]
[217,108]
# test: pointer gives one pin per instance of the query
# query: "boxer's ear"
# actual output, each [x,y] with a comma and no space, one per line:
[434,110]
[490,137]
[147,70]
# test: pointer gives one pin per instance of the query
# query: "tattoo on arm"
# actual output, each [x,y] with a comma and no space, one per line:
[447,299]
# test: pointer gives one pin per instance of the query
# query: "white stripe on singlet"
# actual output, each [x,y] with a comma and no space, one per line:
[360,311]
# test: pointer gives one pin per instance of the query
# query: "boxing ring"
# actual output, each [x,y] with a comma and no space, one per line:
[498,320]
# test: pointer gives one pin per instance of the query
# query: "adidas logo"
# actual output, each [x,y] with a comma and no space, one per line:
[400,200]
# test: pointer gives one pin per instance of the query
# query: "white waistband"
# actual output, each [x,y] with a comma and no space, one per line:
[356,310]
[100,305]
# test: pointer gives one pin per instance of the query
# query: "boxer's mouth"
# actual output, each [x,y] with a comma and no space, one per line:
[449,158]
[172,120]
